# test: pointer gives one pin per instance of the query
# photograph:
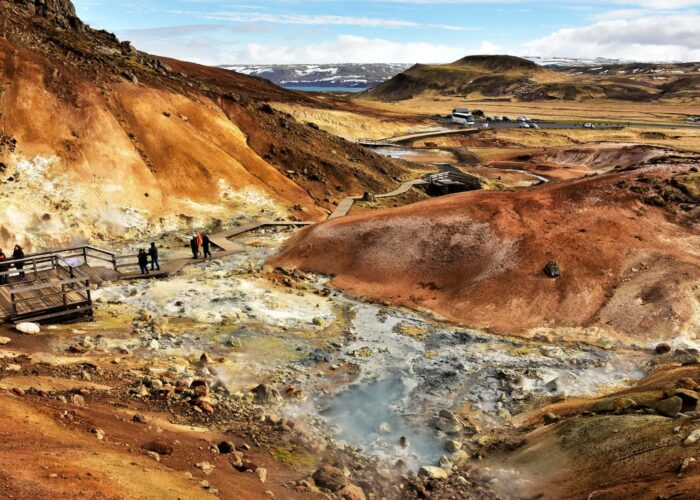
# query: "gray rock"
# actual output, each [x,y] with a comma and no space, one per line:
[552,269]
[265,393]
[692,438]
[432,472]
[453,446]
[670,407]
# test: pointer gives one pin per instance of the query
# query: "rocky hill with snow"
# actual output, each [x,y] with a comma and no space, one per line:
[331,76]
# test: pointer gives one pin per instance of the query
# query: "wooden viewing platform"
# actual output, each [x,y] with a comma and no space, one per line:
[56,285]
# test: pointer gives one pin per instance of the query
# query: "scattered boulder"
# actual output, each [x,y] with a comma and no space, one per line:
[432,472]
[265,394]
[160,447]
[448,423]
[403,442]
[624,403]
[139,418]
[550,418]
[552,269]
[662,348]
[453,445]
[692,438]
[352,492]
[261,472]
[5,340]
[205,467]
[670,407]
[460,458]
[330,478]
[28,328]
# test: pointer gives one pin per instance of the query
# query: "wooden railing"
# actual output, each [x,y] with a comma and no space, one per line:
[450,176]
[74,288]
[36,262]
[375,142]
[49,284]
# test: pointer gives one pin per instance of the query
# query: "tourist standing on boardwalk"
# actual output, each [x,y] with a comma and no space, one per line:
[4,268]
[143,261]
[153,254]
[206,244]
[194,245]
[18,254]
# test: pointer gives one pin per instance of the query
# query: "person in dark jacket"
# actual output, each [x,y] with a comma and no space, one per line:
[153,254]
[18,254]
[194,245]
[143,261]
[206,245]
[4,268]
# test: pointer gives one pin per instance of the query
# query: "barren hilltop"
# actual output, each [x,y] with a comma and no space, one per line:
[134,144]
[509,77]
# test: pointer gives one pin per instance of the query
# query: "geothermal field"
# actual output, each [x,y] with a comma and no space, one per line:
[478,279]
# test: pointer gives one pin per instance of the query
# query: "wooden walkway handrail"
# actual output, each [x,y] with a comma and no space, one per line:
[41,286]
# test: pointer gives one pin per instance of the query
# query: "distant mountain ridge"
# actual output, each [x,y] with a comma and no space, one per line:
[516,78]
[361,76]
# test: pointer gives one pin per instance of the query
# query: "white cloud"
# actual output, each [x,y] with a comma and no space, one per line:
[323,20]
[357,49]
[344,48]
[652,38]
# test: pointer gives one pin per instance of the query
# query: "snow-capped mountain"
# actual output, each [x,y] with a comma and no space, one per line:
[360,76]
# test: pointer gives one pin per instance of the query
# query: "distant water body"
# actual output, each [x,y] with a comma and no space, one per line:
[324,89]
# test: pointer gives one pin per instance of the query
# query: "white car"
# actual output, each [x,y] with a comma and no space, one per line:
[524,125]
[534,125]
[588,125]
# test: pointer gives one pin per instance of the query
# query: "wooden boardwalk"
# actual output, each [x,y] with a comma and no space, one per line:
[347,203]
[223,239]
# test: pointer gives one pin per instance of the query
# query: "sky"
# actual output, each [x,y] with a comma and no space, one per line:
[219,32]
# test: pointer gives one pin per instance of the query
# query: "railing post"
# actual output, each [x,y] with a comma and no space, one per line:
[85,254]
[14,304]
[65,296]
[36,273]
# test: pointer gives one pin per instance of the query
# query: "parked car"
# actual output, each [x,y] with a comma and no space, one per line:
[524,125]
[588,125]
[534,125]
[505,118]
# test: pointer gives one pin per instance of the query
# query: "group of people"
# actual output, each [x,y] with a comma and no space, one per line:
[200,243]
[6,264]
[145,256]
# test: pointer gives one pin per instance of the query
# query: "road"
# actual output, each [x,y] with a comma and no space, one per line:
[550,125]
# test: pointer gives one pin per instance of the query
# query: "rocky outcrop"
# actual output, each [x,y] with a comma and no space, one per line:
[60,11]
